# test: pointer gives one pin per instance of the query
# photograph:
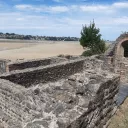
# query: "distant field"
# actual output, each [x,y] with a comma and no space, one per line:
[7,46]
[19,49]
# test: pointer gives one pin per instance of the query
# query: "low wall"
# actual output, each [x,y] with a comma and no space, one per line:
[122,69]
[119,66]
[12,106]
[84,100]
[34,63]
[101,108]
[71,94]
[45,74]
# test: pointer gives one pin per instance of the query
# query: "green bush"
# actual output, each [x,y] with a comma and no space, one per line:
[87,53]
[91,39]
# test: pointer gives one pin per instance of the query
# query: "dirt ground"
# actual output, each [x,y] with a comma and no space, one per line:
[120,119]
[32,50]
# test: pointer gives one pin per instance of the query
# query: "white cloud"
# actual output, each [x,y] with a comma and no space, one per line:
[120,5]
[26,7]
[20,19]
[85,8]
[47,25]
[25,21]
[57,0]
[94,8]
[23,6]
[68,24]
[59,9]
[16,0]
[105,8]
[72,22]
[122,20]
[50,9]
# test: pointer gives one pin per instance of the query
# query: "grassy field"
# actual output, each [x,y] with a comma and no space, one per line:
[17,49]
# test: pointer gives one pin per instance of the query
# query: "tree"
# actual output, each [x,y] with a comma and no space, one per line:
[91,39]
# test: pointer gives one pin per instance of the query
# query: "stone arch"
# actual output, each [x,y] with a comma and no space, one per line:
[117,57]
[121,49]
[121,57]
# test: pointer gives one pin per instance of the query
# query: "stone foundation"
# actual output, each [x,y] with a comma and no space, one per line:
[8,65]
[76,93]
[20,65]
[33,76]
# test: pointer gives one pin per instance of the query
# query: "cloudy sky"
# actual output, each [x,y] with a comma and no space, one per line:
[63,17]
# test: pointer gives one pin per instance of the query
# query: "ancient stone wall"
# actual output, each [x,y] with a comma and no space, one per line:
[116,61]
[93,64]
[84,100]
[11,104]
[20,65]
[101,108]
[14,105]
[72,94]
[45,74]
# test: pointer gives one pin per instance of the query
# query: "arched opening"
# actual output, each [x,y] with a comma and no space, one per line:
[125,48]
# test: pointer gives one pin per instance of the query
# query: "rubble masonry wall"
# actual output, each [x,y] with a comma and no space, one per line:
[23,107]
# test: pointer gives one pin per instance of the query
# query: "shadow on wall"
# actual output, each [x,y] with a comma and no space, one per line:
[125,48]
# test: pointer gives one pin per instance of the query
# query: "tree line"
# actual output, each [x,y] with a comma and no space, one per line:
[30,37]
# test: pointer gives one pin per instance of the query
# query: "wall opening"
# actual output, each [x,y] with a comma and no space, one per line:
[125,48]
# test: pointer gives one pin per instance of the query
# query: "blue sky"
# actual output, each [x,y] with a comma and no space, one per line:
[63,17]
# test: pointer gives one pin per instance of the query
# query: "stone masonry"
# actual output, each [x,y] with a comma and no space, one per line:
[115,57]
[69,92]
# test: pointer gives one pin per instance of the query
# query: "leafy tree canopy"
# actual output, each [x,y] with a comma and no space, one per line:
[91,39]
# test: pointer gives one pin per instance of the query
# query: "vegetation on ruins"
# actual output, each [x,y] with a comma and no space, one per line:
[91,39]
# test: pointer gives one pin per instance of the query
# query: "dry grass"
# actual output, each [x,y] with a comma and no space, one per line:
[120,119]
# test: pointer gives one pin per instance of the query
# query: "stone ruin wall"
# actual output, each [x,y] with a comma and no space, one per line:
[83,97]
[20,65]
[120,62]
[118,50]
[45,74]
[12,105]
[20,109]
[101,108]
[116,61]
[8,65]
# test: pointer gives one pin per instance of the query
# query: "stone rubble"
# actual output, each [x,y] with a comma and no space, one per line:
[83,98]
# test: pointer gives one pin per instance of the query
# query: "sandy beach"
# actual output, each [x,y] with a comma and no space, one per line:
[30,50]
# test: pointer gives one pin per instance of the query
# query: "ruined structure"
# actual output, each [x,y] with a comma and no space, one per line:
[117,56]
[58,92]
